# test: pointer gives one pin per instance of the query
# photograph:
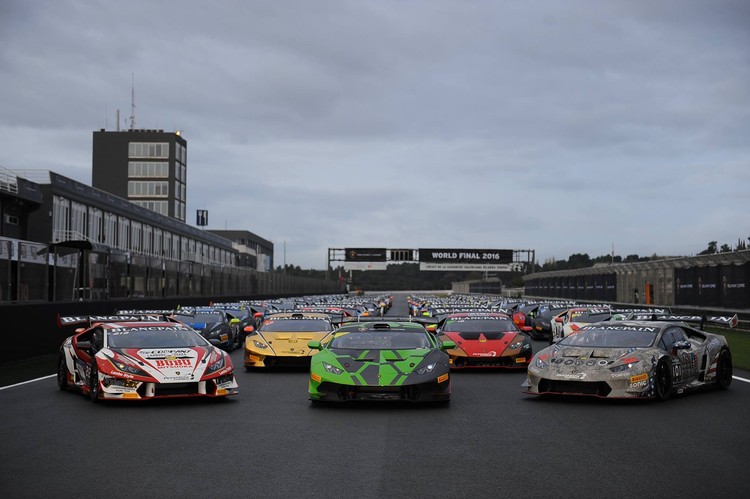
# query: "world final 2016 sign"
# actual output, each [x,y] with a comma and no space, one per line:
[466,259]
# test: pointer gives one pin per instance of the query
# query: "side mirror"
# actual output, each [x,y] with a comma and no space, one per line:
[83,345]
[314,345]
[682,345]
[257,315]
[431,327]
[215,342]
[234,321]
[558,319]
[448,345]
[248,329]
[527,329]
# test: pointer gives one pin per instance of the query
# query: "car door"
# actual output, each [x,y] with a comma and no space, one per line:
[683,354]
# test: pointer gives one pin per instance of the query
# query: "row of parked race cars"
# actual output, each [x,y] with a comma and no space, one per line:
[354,351]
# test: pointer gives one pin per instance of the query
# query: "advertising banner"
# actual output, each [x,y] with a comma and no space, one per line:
[364,255]
[365,265]
[466,256]
[734,289]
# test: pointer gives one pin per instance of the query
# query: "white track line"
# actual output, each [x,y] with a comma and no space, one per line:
[29,381]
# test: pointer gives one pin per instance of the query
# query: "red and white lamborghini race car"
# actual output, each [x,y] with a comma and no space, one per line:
[142,357]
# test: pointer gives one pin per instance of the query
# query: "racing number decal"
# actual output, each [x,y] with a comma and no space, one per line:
[676,372]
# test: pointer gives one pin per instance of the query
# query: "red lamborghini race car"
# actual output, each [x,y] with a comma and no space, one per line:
[142,357]
[485,339]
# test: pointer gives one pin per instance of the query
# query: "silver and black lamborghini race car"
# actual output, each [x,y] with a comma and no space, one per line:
[653,358]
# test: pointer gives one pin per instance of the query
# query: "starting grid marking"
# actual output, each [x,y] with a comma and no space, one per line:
[744,380]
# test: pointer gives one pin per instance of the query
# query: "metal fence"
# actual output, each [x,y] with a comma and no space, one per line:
[37,272]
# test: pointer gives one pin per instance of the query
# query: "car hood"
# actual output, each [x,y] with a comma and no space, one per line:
[481,345]
[292,343]
[385,367]
[164,364]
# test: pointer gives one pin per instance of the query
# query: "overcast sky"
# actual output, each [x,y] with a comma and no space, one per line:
[559,126]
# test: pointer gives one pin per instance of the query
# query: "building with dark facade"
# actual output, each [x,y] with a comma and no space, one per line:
[18,197]
[146,167]
[252,250]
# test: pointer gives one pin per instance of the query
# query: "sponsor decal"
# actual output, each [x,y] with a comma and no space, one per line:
[165,353]
[639,385]
[520,360]
[638,378]
[315,377]
[163,363]
[442,378]
[491,353]
[572,376]
[253,358]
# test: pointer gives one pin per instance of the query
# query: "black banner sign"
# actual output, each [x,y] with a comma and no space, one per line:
[476,256]
[365,255]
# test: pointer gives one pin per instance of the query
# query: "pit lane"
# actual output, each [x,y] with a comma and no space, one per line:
[270,442]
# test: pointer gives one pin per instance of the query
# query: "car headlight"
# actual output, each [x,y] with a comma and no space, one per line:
[332,369]
[426,369]
[620,368]
[517,344]
[125,367]
[259,344]
[216,365]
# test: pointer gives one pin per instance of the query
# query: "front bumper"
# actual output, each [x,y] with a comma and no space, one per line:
[502,362]
[432,391]
[116,389]
[627,385]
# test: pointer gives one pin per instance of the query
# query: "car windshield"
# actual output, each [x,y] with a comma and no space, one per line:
[207,318]
[379,340]
[612,337]
[479,325]
[154,338]
[588,318]
[290,325]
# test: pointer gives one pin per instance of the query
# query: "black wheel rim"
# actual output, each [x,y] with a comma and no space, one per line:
[94,383]
[662,380]
[724,369]
[62,375]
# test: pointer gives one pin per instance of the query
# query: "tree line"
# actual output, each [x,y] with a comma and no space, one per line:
[407,276]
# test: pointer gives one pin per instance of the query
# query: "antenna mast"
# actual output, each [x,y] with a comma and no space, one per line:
[132,104]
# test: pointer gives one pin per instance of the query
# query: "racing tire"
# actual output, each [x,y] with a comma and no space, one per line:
[663,380]
[724,370]
[62,373]
[94,388]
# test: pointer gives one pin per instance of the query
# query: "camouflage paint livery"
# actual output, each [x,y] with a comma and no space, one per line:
[631,359]
[353,366]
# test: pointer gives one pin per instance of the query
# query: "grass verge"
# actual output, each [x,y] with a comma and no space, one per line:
[739,344]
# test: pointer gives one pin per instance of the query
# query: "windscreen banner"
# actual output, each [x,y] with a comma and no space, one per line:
[493,260]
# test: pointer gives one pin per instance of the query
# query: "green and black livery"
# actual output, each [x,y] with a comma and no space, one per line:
[381,361]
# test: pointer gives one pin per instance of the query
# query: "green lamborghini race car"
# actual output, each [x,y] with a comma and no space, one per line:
[381,361]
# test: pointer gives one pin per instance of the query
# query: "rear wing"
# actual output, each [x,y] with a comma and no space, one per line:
[144,312]
[425,321]
[661,311]
[75,320]
[730,322]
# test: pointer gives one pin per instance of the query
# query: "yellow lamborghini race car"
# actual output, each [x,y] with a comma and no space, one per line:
[281,339]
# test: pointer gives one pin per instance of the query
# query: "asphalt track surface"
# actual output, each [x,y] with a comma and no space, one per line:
[269,441]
